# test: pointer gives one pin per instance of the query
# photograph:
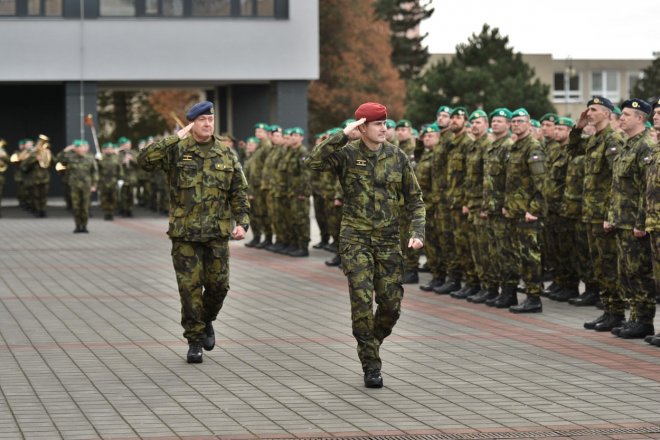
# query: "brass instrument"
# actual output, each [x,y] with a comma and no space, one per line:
[19,156]
[44,155]
[59,166]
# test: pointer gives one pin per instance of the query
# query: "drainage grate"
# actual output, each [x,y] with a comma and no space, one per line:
[503,435]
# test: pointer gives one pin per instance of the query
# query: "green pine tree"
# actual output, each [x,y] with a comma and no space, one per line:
[649,86]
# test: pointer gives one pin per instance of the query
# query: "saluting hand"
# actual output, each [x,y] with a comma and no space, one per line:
[183,133]
[353,125]
[582,122]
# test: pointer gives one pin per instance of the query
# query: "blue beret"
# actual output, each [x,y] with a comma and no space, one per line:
[201,108]
[601,100]
[637,104]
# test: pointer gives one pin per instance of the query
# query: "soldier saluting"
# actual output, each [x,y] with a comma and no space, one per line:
[374,176]
[207,188]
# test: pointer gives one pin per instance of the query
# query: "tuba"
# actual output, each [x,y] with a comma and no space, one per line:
[44,155]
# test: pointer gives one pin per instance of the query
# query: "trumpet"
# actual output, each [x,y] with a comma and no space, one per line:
[44,155]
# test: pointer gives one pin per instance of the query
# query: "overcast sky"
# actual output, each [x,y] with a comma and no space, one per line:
[628,29]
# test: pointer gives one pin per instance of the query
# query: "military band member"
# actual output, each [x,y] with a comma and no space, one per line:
[4,166]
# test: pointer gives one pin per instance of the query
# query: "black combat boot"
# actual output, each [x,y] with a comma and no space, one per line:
[612,322]
[299,252]
[552,288]
[506,299]
[194,353]
[531,305]
[636,330]
[591,325]
[334,261]
[410,278]
[267,242]
[448,287]
[483,296]
[321,244]
[373,379]
[255,241]
[424,268]
[209,337]
[435,282]
[465,291]
[565,294]
[588,298]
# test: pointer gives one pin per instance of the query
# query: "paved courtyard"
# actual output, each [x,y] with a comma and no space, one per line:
[91,348]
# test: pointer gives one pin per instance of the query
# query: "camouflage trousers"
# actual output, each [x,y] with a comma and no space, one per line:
[126,197]
[432,244]
[410,255]
[281,220]
[271,215]
[444,242]
[501,254]
[550,244]
[579,257]
[372,269]
[159,198]
[259,214]
[461,258]
[108,196]
[67,194]
[563,244]
[144,194]
[334,218]
[80,200]
[636,274]
[478,239]
[321,216]
[40,196]
[202,274]
[299,223]
[525,239]
[603,255]
[655,252]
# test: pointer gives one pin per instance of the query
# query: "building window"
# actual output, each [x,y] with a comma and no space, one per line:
[606,83]
[211,8]
[117,8]
[633,79]
[7,7]
[257,8]
[567,87]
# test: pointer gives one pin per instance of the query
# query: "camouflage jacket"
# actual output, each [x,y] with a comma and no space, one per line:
[408,147]
[571,202]
[373,182]
[37,175]
[255,164]
[599,152]
[129,166]
[627,208]
[525,172]
[279,183]
[205,190]
[495,175]
[110,170]
[456,168]
[81,170]
[555,179]
[272,159]
[474,175]
[424,174]
[298,174]
[439,161]
[653,193]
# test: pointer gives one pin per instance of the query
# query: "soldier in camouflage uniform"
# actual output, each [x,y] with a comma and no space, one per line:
[129,181]
[279,192]
[144,178]
[549,241]
[322,189]
[27,182]
[653,213]
[298,193]
[110,171]
[599,153]
[252,169]
[391,136]
[626,217]
[83,177]
[207,188]
[39,178]
[374,175]
[261,194]
[501,253]
[405,138]
[272,161]
[524,207]
[406,142]
[4,166]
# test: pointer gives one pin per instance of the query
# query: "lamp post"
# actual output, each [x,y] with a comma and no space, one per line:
[569,72]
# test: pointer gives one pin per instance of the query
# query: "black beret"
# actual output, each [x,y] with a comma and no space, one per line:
[656,103]
[637,104]
[601,100]
[201,108]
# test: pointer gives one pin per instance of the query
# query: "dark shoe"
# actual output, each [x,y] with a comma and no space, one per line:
[264,244]
[636,330]
[299,252]
[552,288]
[194,353]
[286,249]
[531,305]
[424,268]
[107,217]
[612,322]
[565,294]
[448,287]
[209,338]
[252,243]
[656,340]
[78,230]
[506,299]
[588,298]
[331,247]
[320,245]
[410,278]
[649,339]
[591,325]
[431,285]
[42,214]
[465,291]
[334,261]
[373,379]
[483,296]
[84,229]
[274,247]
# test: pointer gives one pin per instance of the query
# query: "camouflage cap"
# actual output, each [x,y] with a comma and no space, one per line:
[503,112]
[478,114]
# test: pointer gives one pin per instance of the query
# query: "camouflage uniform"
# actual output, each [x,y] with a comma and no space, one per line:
[525,172]
[207,188]
[550,241]
[653,214]
[424,174]
[298,193]
[323,192]
[252,169]
[599,153]
[110,171]
[275,154]
[4,159]
[373,183]
[158,191]
[258,204]
[280,193]
[83,175]
[444,243]
[410,255]
[40,178]
[460,260]
[627,211]
[127,192]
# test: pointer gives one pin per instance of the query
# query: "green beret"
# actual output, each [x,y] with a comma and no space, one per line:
[346,122]
[431,128]
[566,122]
[648,124]
[122,140]
[459,111]
[403,123]
[21,142]
[298,130]
[261,125]
[287,131]
[520,112]
[503,112]
[616,111]
[535,123]
[334,130]
[389,123]
[478,114]
[444,109]
[552,117]
[80,142]
[274,128]
[108,145]
[252,139]
[415,132]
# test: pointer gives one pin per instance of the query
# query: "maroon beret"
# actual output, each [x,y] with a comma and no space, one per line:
[372,111]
